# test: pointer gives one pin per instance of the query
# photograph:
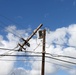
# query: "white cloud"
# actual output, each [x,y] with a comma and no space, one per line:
[74,3]
[17,32]
[19,17]
[63,39]
[59,41]
[71,31]
[6,66]
[57,36]
[1,38]
[19,71]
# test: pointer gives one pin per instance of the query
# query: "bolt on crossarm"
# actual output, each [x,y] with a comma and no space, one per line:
[26,41]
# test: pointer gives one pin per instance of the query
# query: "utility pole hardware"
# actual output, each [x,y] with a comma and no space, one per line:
[26,41]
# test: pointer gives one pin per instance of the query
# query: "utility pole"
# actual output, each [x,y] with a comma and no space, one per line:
[43,54]
[26,41]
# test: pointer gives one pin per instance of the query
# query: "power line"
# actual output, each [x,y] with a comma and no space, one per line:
[62,60]
[17,49]
[54,55]
[47,57]
[36,47]
[9,30]
[9,19]
[7,51]
[34,32]
[55,43]
[57,55]
[14,50]
[21,37]
[34,60]
[41,56]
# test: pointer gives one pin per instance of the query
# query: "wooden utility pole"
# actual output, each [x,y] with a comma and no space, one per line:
[43,54]
[26,41]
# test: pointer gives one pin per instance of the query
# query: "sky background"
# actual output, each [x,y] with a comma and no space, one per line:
[53,14]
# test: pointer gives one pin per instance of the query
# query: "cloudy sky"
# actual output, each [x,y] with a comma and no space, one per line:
[18,18]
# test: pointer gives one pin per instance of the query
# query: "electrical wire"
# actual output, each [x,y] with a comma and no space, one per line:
[54,55]
[46,53]
[39,56]
[9,30]
[33,60]
[21,37]
[14,50]
[58,55]
[9,19]
[37,43]
[36,47]
[61,60]
[18,50]
[4,54]
[73,63]
[8,51]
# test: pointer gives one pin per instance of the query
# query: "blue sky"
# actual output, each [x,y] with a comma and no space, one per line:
[30,13]
[52,13]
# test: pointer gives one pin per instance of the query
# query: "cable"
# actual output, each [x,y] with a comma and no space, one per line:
[33,60]
[62,60]
[37,43]
[54,55]
[6,53]
[9,31]
[8,49]
[36,47]
[9,19]
[57,55]
[41,56]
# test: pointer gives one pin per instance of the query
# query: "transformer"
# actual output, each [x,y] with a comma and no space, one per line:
[40,33]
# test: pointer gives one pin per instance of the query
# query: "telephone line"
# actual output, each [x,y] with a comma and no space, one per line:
[9,31]
[9,19]
[54,55]
[57,55]
[36,60]
[41,56]
[7,51]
